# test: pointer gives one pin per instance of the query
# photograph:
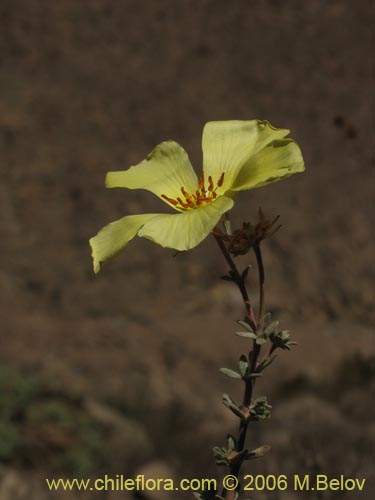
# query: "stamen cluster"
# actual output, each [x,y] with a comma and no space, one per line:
[202,196]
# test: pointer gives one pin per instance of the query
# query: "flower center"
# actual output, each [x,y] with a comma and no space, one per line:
[202,196]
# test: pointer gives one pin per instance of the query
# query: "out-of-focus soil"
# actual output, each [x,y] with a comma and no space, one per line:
[88,87]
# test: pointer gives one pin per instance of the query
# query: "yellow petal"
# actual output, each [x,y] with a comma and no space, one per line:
[114,237]
[275,162]
[228,145]
[186,230]
[165,171]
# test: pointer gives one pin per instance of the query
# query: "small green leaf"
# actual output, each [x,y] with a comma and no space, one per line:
[227,399]
[229,403]
[222,461]
[258,452]
[246,335]
[246,325]
[231,442]
[230,373]
[261,341]
[272,327]
[243,364]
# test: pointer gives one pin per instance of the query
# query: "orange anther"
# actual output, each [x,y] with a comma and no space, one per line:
[201,181]
[185,193]
[221,180]
[184,205]
[205,198]
[211,183]
[169,200]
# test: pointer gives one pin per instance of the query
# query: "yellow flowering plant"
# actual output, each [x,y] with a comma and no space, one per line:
[237,155]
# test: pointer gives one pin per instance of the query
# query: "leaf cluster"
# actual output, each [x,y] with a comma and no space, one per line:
[229,455]
[270,332]
[259,409]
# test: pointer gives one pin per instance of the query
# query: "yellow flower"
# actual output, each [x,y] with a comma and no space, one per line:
[237,155]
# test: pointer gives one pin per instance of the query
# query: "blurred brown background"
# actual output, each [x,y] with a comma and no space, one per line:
[118,373]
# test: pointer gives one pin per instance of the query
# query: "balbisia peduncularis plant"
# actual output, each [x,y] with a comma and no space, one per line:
[237,156]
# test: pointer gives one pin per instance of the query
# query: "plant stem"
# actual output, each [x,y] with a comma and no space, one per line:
[253,356]
[258,255]
[240,282]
